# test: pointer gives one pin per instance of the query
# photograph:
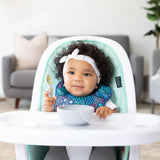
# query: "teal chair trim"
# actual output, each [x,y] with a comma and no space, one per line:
[37,152]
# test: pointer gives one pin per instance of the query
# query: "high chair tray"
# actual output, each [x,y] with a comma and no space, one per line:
[43,128]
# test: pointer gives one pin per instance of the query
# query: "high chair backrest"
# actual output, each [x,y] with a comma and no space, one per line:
[122,85]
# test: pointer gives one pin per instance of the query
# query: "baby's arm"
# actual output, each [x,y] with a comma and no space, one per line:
[107,110]
[48,102]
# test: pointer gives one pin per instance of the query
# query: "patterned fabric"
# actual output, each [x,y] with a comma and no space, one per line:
[96,99]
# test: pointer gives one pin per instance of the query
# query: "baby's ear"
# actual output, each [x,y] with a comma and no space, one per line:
[96,86]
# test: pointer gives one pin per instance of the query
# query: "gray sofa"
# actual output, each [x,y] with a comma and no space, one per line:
[19,84]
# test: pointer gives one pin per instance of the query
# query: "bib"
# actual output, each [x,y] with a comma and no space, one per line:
[97,98]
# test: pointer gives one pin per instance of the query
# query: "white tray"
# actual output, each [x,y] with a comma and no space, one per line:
[41,128]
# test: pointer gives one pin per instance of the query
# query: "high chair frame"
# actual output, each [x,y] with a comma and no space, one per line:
[134,153]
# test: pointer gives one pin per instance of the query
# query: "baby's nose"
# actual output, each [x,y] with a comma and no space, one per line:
[78,78]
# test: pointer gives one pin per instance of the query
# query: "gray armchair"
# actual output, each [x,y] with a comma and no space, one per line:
[18,84]
[154,82]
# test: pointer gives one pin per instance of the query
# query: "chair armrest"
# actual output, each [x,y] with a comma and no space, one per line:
[137,64]
[8,66]
[154,62]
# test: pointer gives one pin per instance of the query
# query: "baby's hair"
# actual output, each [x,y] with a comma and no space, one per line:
[103,63]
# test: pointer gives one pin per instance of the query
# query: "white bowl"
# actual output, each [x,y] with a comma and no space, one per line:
[75,114]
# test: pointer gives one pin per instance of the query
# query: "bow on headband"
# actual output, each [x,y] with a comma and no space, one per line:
[73,55]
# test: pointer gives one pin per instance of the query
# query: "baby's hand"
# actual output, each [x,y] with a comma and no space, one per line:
[103,112]
[48,102]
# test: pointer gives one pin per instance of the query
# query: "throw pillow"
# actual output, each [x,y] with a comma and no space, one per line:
[29,52]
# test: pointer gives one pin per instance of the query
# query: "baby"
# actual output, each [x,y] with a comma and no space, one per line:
[85,74]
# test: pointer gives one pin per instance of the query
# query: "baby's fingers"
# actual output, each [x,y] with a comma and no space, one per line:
[110,111]
[54,97]
[48,109]
[107,113]
[48,103]
[98,111]
[103,112]
[46,94]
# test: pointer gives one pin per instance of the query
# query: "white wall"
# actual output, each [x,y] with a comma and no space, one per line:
[76,17]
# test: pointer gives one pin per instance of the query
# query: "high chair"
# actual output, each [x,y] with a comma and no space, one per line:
[122,86]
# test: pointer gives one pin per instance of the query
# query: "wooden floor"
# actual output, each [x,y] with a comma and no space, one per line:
[148,151]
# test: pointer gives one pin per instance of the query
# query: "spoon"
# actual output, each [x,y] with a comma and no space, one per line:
[49,82]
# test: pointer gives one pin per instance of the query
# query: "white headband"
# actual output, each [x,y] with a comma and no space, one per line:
[85,58]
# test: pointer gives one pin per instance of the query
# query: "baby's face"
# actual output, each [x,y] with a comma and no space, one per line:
[80,79]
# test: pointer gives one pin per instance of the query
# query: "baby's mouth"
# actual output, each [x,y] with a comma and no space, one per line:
[77,86]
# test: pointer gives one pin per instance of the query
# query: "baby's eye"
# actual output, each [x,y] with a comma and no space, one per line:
[71,72]
[87,74]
